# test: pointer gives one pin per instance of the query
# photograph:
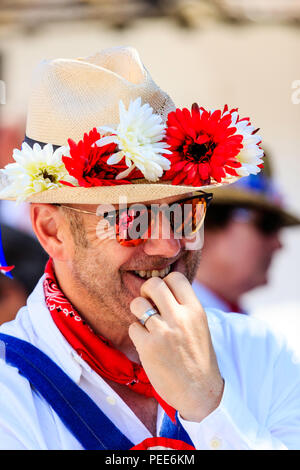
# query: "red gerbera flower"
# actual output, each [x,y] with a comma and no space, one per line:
[203,146]
[88,163]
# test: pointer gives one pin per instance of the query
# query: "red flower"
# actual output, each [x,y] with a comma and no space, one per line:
[203,146]
[88,163]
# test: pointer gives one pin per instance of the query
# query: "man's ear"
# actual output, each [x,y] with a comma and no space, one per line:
[51,230]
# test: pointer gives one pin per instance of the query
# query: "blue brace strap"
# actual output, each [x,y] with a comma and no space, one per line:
[78,412]
[84,419]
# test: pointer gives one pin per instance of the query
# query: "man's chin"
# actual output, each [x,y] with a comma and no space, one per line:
[256,283]
[133,283]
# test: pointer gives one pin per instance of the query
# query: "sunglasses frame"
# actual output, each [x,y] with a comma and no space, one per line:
[116,214]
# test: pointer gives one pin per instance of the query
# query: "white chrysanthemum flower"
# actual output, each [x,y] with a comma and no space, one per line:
[139,136]
[35,169]
[251,154]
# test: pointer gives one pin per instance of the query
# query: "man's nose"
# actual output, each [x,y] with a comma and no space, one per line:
[274,241]
[162,241]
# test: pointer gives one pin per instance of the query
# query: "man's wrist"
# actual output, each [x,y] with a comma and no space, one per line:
[196,412]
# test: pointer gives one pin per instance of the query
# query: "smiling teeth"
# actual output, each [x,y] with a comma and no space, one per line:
[147,274]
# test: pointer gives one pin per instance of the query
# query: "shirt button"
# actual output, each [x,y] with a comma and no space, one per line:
[215,443]
[111,400]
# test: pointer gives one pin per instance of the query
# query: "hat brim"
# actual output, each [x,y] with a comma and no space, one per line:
[249,199]
[139,191]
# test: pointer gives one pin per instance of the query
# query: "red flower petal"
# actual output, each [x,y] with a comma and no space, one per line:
[88,163]
[66,183]
[179,178]
[203,145]
[218,173]
[204,171]
[230,171]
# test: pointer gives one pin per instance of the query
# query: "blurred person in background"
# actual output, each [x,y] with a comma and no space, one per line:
[29,259]
[16,216]
[242,236]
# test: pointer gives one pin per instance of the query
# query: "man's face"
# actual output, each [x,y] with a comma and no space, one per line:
[113,274]
[244,252]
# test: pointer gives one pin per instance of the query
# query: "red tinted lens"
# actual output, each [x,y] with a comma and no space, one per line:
[133,226]
[189,219]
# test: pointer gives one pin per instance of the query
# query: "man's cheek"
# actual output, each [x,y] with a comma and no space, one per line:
[104,231]
[100,244]
[191,263]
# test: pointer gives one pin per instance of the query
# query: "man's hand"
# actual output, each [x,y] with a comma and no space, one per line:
[175,347]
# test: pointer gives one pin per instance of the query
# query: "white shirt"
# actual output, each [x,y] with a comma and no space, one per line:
[260,407]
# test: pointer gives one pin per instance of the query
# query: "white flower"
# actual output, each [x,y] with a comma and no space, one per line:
[139,137]
[35,169]
[251,154]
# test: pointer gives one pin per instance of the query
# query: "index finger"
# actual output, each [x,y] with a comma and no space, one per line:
[158,291]
[182,289]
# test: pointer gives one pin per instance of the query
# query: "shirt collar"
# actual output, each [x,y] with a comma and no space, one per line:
[208,298]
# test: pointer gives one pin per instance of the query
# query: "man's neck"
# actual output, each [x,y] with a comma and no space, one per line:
[220,289]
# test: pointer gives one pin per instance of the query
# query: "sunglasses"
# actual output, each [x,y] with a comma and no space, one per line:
[267,223]
[134,225]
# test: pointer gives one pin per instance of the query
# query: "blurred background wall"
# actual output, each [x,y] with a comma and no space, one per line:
[243,53]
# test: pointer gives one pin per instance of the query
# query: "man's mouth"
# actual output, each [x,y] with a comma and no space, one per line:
[154,272]
[134,279]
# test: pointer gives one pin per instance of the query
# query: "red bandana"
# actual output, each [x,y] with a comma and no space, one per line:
[97,351]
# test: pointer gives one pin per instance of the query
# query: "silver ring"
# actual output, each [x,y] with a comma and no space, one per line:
[149,313]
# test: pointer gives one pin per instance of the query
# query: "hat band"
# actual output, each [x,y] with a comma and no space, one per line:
[31,143]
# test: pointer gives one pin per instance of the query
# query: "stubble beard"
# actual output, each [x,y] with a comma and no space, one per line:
[106,292]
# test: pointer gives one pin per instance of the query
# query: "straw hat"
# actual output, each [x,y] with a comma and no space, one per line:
[70,97]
